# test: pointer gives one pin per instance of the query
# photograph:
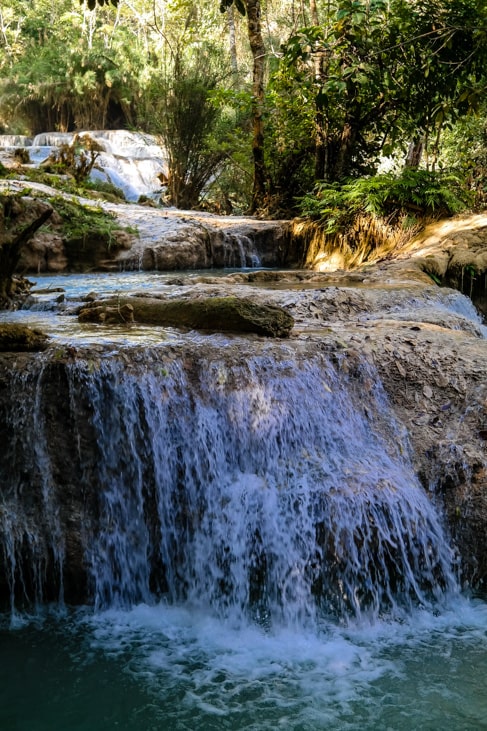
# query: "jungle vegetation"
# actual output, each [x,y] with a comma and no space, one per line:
[271,106]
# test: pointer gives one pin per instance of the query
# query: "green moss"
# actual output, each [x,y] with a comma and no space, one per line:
[17,338]
[82,222]
[95,189]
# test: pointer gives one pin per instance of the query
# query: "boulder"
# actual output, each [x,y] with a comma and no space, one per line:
[211,314]
[107,314]
[16,338]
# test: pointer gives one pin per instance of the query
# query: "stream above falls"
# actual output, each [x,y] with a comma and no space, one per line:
[315,304]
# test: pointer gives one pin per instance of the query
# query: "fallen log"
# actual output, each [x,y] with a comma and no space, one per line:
[211,314]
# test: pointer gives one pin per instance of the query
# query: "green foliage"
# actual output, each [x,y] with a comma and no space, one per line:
[419,192]
[77,158]
[465,150]
[87,188]
[102,189]
[377,74]
[85,70]
[358,80]
[191,124]
[21,155]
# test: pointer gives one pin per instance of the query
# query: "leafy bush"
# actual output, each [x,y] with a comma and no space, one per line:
[77,158]
[419,193]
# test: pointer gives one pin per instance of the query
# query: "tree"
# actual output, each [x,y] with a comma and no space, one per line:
[252,9]
[379,73]
[83,74]
[185,118]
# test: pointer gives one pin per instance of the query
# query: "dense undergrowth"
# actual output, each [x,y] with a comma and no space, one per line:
[367,218]
[408,197]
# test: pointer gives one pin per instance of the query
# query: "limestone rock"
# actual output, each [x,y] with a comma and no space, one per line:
[123,314]
[15,338]
[212,314]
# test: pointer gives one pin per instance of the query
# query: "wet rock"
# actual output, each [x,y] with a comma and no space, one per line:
[123,314]
[18,338]
[212,314]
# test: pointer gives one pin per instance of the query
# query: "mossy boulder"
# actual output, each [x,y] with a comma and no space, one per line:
[211,314]
[17,338]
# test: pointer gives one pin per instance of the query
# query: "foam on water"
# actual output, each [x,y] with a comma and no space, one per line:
[169,667]
[368,676]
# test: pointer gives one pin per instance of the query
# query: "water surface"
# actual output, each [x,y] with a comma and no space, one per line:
[168,667]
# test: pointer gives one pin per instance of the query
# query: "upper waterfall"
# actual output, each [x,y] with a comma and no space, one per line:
[131,161]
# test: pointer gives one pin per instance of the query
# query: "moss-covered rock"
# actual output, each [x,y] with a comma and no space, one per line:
[16,338]
[212,314]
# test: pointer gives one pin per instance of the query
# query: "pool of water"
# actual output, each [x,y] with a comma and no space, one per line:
[58,318]
[42,311]
[168,667]
[77,286]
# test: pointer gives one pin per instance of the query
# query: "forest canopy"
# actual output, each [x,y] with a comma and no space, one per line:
[257,102]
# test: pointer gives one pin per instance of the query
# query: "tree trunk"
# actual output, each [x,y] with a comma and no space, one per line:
[338,154]
[415,153]
[320,135]
[232,42]
[258,55]
[10,254]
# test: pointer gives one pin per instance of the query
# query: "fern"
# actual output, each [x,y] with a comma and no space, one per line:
[421,192]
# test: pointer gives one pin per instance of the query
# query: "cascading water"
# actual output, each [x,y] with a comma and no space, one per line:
[269,496]
[239,251]
[130,161]
[269,490]
[246,519]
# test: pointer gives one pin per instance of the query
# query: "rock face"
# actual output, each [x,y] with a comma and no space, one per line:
[19,338]
[162,239]
[165,240]
[89,441]
[79,427]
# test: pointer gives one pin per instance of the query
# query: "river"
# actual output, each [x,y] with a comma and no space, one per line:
[263,555]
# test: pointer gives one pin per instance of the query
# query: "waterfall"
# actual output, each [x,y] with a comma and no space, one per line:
[275,487]
[239,251]
[131,161]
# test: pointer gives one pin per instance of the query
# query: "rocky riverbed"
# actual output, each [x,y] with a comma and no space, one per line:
[425,342]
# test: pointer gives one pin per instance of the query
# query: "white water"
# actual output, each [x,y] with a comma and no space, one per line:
[384,676]
[277,494]
[307,581]
[275,488]
[131,161]
[161,667]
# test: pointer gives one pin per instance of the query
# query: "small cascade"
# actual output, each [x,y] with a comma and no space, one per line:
[239,251]
[15,141]
[33,559]
[129,160]
[277,488]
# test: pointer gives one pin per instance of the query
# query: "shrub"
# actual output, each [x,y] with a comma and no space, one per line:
[410,195]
